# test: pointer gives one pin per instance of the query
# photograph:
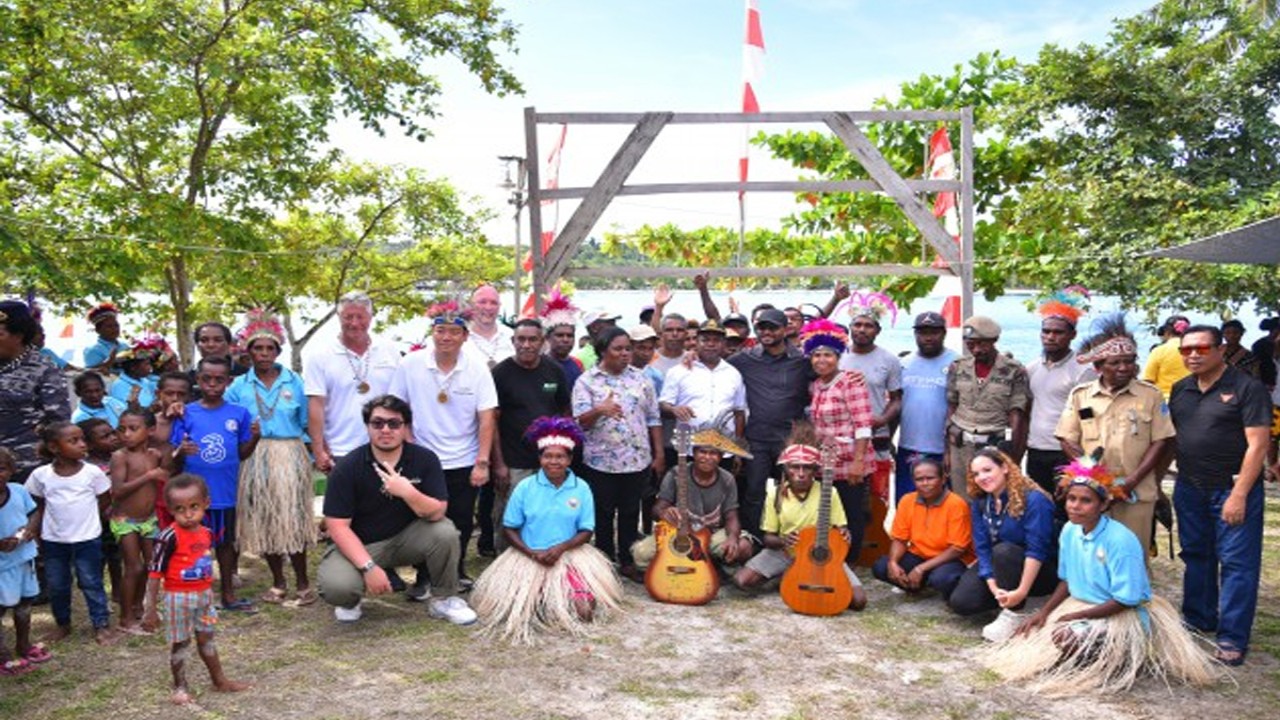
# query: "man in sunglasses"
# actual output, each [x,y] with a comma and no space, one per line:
[1223,420]
[385,507]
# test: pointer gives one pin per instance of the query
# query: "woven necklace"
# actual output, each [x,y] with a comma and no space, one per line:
[360,370]
[266,412]
[14,363]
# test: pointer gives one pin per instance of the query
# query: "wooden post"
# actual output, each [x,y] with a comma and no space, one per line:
[966,214]
[532,167]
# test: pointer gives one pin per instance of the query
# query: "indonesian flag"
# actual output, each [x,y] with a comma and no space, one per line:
[752,71]
[942,166]
[552,175]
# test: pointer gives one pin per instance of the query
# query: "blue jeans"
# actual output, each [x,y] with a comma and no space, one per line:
[86,558]
[1224,562]
[904,464]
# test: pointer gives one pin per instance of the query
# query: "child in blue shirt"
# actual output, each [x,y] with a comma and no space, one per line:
[19,527]
[212,437]
[94,401]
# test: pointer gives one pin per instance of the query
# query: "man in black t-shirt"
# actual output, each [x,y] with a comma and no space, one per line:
[1223,419]
[530,385]
[384,506]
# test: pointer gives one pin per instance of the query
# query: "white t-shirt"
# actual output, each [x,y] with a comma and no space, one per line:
[882,371]
[492,350]
[70,503]
[334,373]
[449,428]
[1051,384]
[709,393]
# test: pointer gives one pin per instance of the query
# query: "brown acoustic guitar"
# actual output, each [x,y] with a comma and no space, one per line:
[815,584]
[682,571]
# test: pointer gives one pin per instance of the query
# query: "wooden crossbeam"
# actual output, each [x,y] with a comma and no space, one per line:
[649,273]
[715,118]
[815,186]
[602,193]
[870,158]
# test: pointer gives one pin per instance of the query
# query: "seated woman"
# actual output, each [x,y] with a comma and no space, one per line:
[932,535]
[1014,542]
[1101,628]
[789,507]
[550,578]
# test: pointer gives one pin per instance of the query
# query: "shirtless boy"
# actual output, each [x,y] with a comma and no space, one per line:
[137,471]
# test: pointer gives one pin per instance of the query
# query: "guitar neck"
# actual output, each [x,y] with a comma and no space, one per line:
[683,449]
[824,501]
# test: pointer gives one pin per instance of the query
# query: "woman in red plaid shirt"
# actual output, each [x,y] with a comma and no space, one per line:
[841,410]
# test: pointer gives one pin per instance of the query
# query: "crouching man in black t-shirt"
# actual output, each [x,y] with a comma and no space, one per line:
[385,507]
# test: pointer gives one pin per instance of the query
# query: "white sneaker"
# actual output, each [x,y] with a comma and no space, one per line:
[347,615]
[454,609]
[1003,627]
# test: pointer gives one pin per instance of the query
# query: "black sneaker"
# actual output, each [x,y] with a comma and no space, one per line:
[465,584]
[397,582]
[418,592]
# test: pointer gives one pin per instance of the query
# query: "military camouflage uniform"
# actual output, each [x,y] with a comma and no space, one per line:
[32,393]
[982,407]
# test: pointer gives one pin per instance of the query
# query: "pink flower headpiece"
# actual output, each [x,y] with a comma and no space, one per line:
[874,305]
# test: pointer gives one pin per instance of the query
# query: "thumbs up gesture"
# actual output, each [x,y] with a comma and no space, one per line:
[610,407]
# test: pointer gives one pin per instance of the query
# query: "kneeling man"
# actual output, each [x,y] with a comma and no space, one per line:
[385,507]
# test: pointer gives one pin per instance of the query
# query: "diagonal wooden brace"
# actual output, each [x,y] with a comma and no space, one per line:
[889,180]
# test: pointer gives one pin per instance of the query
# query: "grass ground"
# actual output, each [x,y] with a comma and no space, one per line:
[739,656]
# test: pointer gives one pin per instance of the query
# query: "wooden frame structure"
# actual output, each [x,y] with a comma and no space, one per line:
[646,126]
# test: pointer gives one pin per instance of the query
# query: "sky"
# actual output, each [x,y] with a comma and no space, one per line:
[686,55]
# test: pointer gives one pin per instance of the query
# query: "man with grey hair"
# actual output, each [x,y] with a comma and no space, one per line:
[340,377]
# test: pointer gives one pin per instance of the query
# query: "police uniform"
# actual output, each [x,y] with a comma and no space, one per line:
[982,405]
[1124,423]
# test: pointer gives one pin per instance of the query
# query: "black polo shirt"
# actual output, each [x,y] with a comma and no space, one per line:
[524,395]
[777,390]
[1210,425]
[355,491]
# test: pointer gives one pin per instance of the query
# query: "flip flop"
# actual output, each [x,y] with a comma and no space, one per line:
[241,606]
[1229,655]
[306,597]
[37,653]
[14,668]
[135,630]
[274,596]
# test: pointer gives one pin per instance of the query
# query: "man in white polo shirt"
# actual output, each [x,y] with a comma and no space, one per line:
[453,400]
[340,377]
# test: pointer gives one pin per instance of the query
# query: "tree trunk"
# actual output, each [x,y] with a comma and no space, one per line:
[178,285]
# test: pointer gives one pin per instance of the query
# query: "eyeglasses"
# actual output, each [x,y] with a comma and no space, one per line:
[380,423]
[1188,350]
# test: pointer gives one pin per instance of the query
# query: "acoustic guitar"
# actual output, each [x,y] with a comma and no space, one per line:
[815,584]
[682,571]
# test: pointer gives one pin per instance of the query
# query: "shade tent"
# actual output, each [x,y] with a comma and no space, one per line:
[1256,244]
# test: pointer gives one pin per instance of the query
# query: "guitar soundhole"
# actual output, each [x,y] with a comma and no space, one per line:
[682,545]
[820,554]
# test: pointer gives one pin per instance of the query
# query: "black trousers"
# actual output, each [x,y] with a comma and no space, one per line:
[853,498]
[462,508]
[972,596]
[1042,467]
[617,495]
[764,458]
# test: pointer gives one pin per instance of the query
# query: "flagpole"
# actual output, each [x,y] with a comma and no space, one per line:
[742,225]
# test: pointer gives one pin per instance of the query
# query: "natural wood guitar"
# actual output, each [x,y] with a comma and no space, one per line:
[815,584]
[682,571]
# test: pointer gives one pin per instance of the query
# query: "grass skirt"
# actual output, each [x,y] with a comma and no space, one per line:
[518,597]
[274,503]
[1110,655]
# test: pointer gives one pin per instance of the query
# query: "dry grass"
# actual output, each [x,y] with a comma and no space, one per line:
[740,656]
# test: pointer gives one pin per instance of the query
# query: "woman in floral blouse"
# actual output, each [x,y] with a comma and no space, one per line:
[617,407]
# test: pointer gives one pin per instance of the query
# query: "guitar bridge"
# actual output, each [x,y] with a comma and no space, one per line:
[817,588]
[675,570]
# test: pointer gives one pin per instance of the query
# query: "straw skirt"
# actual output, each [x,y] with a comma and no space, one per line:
[274,502]
[1108,655]
[517,597]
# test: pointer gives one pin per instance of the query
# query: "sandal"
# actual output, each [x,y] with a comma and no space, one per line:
[241,606]
[15,668]
[37,653]
[1229,655]
[274,596]
[305,598]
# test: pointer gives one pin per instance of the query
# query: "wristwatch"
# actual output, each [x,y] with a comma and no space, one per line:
[369,565]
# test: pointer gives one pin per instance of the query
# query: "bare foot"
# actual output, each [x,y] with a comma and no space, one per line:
[57,634]
[105,636]
[230,686]
[180,696]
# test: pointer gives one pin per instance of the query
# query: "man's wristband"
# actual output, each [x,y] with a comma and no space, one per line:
[367,566]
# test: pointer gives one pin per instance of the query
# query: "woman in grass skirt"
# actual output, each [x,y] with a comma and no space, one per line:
[550,578]
[1102,628]
[274,513]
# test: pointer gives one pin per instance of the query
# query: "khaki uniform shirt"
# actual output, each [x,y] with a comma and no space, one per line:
[982,406]
[1124,423]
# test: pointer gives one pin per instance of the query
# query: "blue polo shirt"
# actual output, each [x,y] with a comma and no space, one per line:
[110,411]
[123,386]
[280,411]
[547,515]
[1106,564]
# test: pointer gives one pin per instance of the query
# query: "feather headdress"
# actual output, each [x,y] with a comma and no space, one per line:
[261,323]
[822,333]
[1067,304]
[102,312]
[1110,339]
[555,430]
[1091,472]
[558,310]
[449,312]
[875,305]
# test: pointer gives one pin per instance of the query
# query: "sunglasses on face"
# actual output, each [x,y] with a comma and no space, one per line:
[380,423]
[1188,350]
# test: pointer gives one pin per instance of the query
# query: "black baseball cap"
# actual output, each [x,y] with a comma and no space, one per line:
[772,316]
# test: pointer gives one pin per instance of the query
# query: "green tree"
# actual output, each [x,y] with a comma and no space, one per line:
[135,132]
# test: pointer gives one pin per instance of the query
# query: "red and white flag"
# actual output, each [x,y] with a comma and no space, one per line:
[752,71]
[941,165]
[551,171]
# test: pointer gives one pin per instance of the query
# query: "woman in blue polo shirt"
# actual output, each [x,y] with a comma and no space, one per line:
[550,578]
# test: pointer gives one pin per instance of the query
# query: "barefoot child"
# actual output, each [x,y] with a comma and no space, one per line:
[18,528]
[71,496]
[183,564]
[101,439]
[213,436]
[137,470]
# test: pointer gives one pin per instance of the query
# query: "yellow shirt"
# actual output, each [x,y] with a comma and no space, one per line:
[1164,366]
[796,514]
